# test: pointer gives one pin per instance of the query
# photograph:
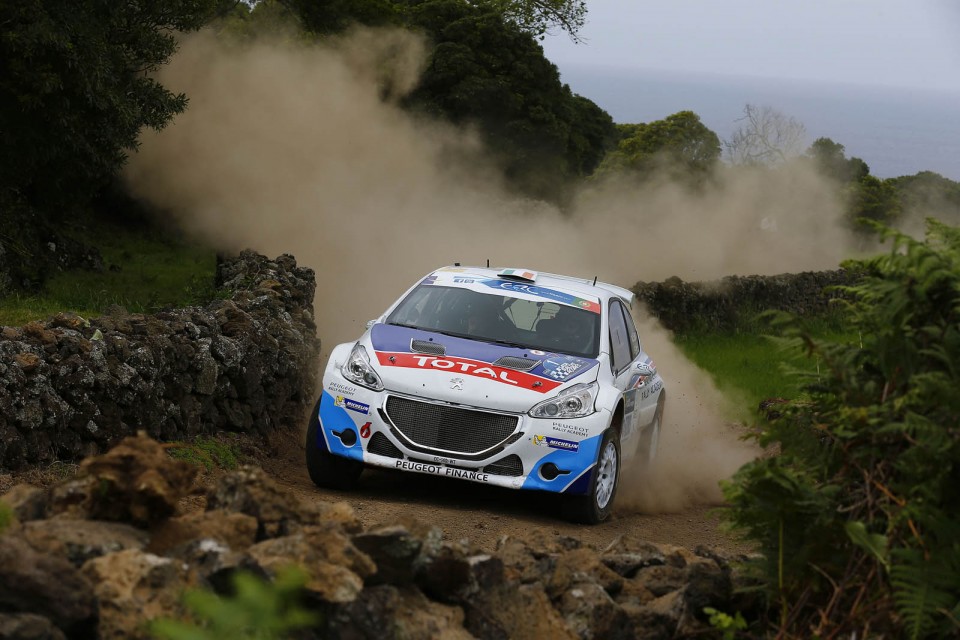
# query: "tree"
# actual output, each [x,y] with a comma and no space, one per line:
[486,72]
[873,200]
[680,143]
[831,161]
[76,89]
[929,194]
[333,16]
[537,17]
[767,137]
[858,516]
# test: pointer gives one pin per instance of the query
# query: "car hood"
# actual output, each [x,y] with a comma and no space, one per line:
[472,372]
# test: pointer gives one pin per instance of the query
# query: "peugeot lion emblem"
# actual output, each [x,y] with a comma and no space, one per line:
[457,384]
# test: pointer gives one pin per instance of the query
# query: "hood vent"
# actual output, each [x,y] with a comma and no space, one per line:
[427,347]
[513,362]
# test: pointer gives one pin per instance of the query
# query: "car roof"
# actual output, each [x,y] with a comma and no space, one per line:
[590,287]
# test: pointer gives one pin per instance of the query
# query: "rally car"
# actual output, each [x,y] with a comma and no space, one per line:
[505,377]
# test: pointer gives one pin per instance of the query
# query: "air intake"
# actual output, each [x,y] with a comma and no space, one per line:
[509,466]
[380,445]
[430,348]
[448,428]
[513,362]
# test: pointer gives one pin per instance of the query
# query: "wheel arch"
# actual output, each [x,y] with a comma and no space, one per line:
[616,419]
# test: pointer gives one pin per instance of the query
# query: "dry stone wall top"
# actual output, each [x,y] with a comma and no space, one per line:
[733,302]
[71,387]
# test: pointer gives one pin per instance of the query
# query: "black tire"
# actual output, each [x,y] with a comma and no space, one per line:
[325,469]
[597,504]
[649,441]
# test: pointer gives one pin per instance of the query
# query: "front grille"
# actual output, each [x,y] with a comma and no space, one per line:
[380,445]
[513,362]
[430,348]
[509,466]
[448,428]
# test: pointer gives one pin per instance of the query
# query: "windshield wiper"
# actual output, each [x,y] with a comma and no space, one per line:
[404,324]
[505,343]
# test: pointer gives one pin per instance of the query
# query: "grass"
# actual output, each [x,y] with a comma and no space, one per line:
[210,452]
[6,516]
[750,365]
[145,272]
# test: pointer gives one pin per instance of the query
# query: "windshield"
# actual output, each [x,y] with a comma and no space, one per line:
[546,326]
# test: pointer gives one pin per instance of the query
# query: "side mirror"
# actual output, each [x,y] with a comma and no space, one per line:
[646,370]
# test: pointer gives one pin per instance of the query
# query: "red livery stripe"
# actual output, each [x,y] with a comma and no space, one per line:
[468,367]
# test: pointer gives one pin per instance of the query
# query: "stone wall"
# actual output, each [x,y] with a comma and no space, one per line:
[70,387]
[100,555]
[733,302]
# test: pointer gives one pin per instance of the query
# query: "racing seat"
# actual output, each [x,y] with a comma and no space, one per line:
[565,330]
[550,330]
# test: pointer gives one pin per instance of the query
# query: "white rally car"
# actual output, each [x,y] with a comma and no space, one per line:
[512,378]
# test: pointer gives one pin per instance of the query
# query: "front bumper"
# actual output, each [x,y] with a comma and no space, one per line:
[539,454]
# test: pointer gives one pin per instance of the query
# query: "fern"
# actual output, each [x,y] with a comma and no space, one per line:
[922,593]
[869,461]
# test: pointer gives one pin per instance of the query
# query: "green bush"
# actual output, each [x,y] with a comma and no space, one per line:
[257,610]
[6,516]
[858,518]
[209,452]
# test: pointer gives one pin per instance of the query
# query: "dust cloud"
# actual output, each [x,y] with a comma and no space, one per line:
[303,150]
[700,441]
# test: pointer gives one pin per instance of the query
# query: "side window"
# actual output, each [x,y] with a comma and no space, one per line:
[631,332]
[619,343]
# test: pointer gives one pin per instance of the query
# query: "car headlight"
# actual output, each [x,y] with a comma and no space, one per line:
[575,402]
[357,369]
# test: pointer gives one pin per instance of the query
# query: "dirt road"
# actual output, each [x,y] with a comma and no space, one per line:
[484,514]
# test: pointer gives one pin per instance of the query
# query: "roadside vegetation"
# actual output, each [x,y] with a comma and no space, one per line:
[144,270]
[6,516]
[257,609]
[222,452]
[858,516]
[756,364]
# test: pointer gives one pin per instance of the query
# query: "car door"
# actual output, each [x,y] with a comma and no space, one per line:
[644,387]
[624,351]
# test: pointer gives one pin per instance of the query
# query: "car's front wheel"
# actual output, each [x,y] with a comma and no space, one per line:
[595,507]
[325,469]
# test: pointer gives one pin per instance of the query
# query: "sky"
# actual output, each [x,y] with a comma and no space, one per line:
[899,43]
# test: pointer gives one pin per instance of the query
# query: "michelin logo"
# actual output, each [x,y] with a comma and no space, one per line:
[353,405]
[556,443]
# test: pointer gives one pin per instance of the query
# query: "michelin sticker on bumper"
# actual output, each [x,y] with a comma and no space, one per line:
[556,443]
[353,405]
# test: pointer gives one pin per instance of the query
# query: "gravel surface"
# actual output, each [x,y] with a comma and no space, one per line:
[484,514]
[462,510]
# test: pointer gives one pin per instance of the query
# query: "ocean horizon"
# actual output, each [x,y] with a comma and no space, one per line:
[896,131]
